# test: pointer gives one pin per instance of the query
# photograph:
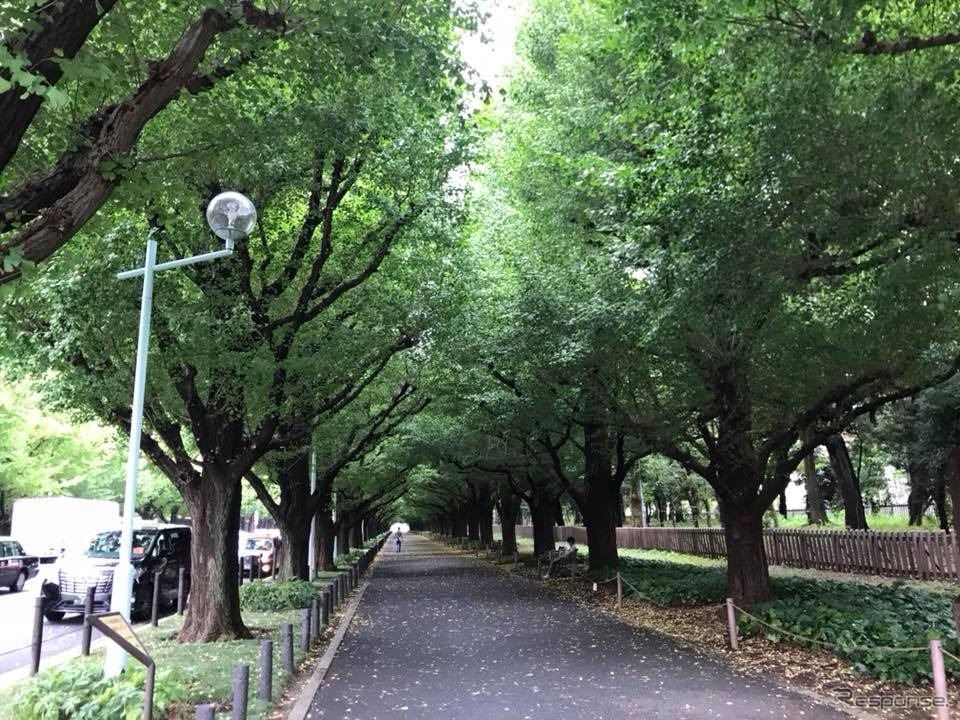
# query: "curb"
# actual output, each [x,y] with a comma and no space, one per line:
[301,707]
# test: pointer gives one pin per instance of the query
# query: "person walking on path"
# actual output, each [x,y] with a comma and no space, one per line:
[399,535]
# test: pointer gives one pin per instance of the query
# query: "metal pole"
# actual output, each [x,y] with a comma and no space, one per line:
[116,659]
[37,643]
[148,692]
[732,625]
[87,632]
[155,611]
[241,683]
[939,681]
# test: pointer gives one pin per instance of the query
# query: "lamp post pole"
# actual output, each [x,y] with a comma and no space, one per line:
[224,223]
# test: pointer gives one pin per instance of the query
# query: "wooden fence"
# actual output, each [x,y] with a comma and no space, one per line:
[928,555]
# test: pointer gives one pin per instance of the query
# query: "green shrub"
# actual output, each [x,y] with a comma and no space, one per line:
[849,615]
[78,691]
[277,596]
[852,615]
[668,583]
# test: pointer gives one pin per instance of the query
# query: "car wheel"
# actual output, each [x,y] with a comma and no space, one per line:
[19,582]
[53,616]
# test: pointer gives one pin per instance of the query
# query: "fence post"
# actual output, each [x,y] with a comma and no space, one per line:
[155,609]
[305,630]
[325,609]
[181,590]
[241,682]
[732,625]
[87,634]
[315,619]
[286,646]
[206,712]
[939,681]
[37,636]
[619,592]
[266,669]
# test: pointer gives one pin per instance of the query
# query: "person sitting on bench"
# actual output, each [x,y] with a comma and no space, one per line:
[568,553]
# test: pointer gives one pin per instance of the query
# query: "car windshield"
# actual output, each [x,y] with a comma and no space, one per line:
[259,544]
[107,544]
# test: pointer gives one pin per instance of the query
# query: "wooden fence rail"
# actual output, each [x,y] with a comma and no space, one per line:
[928,555]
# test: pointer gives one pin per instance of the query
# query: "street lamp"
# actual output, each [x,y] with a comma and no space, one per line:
[230,216]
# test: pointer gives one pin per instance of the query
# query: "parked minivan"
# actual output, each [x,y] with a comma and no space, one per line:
[156,548]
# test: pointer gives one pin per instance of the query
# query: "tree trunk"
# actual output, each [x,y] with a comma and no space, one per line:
[854,516]
[816,511]
[748,578]
[507,510]
[952,480]
[325,536]
[919,495]
[294,559]
[356,533]
[214,608]
[542,515]
[460,522]
[558,513]
[636,507]
[600,497]
[940,502]
[343,535]
[473,518]
[782,505]
[485,517]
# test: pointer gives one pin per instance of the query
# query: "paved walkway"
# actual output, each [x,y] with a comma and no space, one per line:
[443,636]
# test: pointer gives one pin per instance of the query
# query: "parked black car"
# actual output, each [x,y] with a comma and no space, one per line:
[16,567]
[163,548]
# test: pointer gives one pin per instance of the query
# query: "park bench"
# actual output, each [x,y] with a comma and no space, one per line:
[568,564]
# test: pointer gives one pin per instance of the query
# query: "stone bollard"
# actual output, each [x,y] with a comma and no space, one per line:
[325,608]
[305,630]
[241,683]
[155,607]
[266,669]
[315,619]
[732,625]
[181,591]
[286,646]
[206,712]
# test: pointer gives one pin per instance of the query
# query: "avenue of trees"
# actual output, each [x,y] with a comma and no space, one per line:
[692,240]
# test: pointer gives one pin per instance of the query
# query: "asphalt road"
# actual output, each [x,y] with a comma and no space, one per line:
[447,636]
[16,626]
